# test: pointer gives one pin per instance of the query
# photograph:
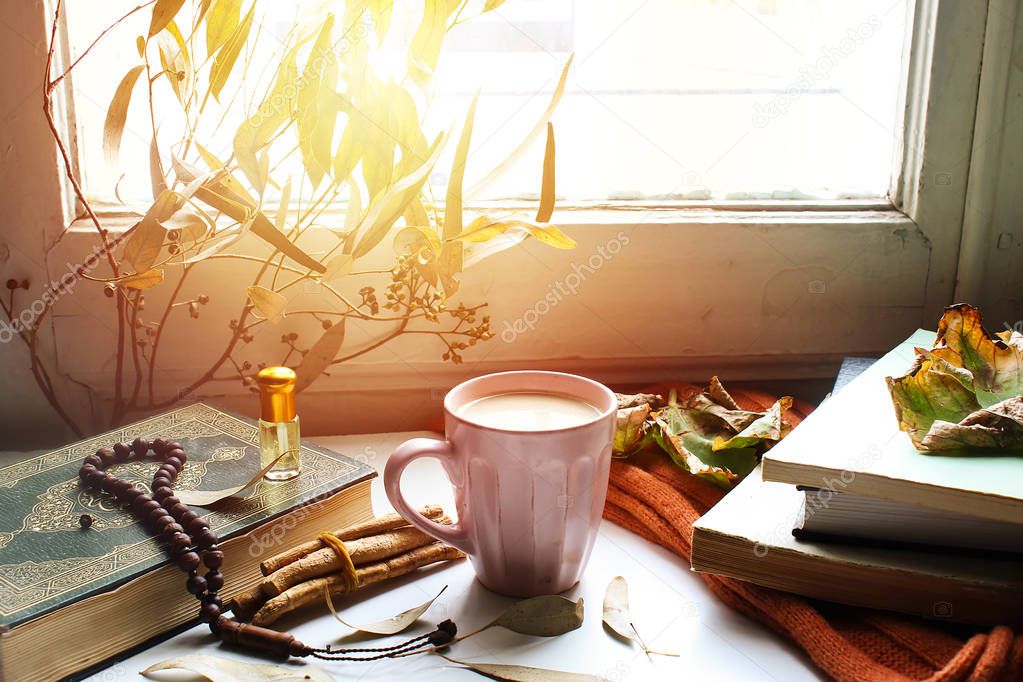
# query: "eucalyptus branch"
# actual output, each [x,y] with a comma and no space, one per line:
[416,291]
[95,42]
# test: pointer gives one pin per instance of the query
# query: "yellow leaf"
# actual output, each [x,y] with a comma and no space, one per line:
[549,235]
[228,55]
[157,180]
[475,253]
[486,228]
[415,214]
[371,117]
[147,237]
[546,210]
[449,264]
[534,133]
[349,149]
[320,356]
[280,220]
[425,47]
[318,105]
[209,158]
[413,240]
[164,12]
[268,304]
[338,267]
[492,4]
[389,207]
[403,122]
[144,244]
[145,280]
[221,24]
[453,203]
[117,114]
[380,11]
[222,243]
[175,61]
[192,225]
[274,111]
[224,193]
[353,211]
[204,7]
[425,245]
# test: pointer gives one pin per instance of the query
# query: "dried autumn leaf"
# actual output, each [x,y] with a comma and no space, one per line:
[164,12]
[546,210]
[999,427]
[617,616]
[388,626]
[320,356]
[616,610]
[544,616]
[994,362]
[767,429]
[707,435]
[523,673]
[959,394]
[219,669]
[117,114]
[631,428]
[145,280]
[269,304]
[205,498]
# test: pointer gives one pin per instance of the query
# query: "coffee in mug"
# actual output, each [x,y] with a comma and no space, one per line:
[528,454]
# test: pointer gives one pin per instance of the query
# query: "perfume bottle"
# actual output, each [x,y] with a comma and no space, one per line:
[278,423]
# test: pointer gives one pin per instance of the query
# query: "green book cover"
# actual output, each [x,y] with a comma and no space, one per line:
[852,443]
[48,561]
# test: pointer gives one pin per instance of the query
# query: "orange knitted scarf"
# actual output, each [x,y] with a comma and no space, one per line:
[653,498]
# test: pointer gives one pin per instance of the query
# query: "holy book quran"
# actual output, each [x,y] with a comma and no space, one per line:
[103,590]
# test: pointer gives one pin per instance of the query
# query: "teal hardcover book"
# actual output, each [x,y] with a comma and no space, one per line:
[57,578]
[852,444]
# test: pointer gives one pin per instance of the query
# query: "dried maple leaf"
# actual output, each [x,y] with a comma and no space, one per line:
[708,435]
[965,393]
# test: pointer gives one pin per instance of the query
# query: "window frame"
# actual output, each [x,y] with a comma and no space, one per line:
[923,216]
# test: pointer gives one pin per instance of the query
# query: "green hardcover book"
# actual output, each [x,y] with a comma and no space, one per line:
[109,588]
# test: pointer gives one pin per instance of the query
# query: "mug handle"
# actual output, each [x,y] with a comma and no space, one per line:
[455,534]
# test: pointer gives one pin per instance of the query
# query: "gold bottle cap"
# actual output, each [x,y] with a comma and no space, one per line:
[276,394]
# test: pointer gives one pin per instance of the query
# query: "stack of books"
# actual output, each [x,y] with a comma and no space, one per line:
[846,509]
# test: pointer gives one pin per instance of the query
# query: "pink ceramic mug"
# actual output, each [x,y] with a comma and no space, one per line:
[529,502]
